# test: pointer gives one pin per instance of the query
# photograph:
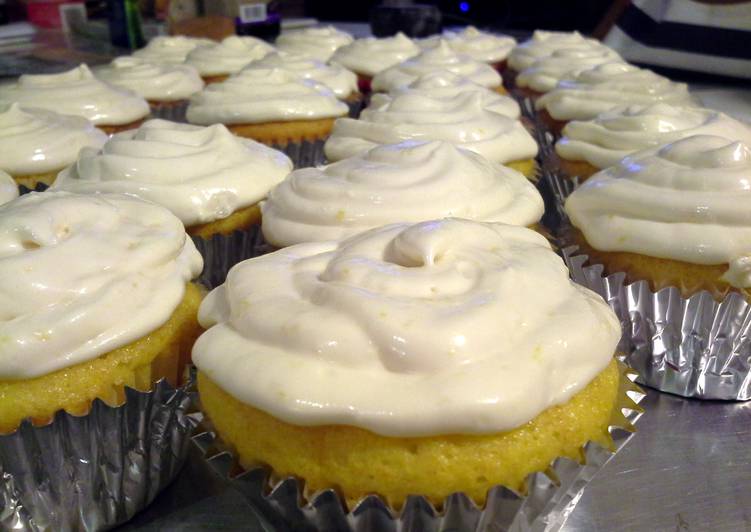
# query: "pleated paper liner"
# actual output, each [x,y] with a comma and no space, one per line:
[40,187]
[303,154]
[689,346]
[549,498]
[95,471]
[173,111]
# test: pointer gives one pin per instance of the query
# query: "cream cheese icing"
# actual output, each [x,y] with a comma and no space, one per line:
[8,188]
[545,73]
[161,82]
[76,92]
[441,327]
[609,85]
[315,43]
[463,120]
[201,174]
[440,57]
[264,95]
[81,275]
[407,182]
[171,49]
[341,81]
[228,56]
[479,45]
[370,55]
[687,201]
[545,43]
[37,141]
[605,140]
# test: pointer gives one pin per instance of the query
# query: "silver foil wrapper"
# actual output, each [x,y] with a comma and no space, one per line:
[550,496]
[303,154]
[693,347]
[174,112]
[94,471]
[356,106]
[40,187]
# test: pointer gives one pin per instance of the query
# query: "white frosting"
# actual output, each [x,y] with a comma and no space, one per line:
[76,92]
[479,45]
[161,82]
[81,275]
[610,85]
[340,80]
[545,73]
[201,174]
[462,120]
[686,201]
[407,182]
[371,55]
[170,49]
[440,57]
[228,56]
[545,43]
[315,43]
[8,188]
[264,95]
[611,136]
[36,141]
[441,327]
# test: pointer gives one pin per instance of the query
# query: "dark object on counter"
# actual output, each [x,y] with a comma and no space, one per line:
[125,24]
[414,20]
[258,19]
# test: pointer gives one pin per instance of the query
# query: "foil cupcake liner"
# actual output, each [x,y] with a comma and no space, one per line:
[693,347]
[550,496]
[174,112]
[303,154]
[356,106]
[94,471]
[40,187]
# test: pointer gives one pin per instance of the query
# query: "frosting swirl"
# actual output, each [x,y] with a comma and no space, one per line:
[81,275]
[76,92]
[611,136]
[609,85]
[341,81]
[441,327]
[8,188]
[407,182]
[201,174]
[440,57]
[371,55]
[545,43]
[686,201]
[263,95]
[163,82]
[228,56]
[462,120]
[315,43]
[479,45]
[545,73]
[36,141]
[170,49]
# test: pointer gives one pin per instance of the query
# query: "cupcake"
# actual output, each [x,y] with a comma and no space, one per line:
[589,146]
[440,57]
[604,87]
[96,297]
[407,182]
[672,216]
[165,86]
[416,348]
[313,43]
[479,45]
[367,57]
[36,144]
[170,49]
[273,106]
[8,188]
[78,92]
[464,120]
[544,44]
[217,61]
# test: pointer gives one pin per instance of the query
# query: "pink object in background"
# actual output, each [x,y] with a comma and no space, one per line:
[46,13]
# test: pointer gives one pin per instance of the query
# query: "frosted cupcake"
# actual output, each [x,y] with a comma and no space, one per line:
[440,57]
[78,92]
[36,144]
[314,43]
[605,87]
[165,86]
[482,46]
[170,49]
[8,188]
[217,61]
[545,43]
[407,182]
[366,57]
[589,146]
[415,348]
[673,216]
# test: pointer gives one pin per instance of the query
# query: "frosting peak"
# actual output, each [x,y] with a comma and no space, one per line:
[708,152]
[316,43]
[370,55]
[228,56]
[156,81]
[170,49]
[479,45]
[8,188]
